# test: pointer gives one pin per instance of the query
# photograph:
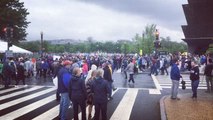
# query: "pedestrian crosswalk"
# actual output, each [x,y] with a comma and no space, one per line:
[165,81]
[39,103]
[124,108]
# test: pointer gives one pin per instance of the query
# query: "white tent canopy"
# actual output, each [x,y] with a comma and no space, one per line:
[15,49]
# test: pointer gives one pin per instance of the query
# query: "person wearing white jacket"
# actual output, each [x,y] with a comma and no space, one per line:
[93,67]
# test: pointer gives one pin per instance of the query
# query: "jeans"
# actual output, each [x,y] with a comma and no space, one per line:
[164,69]
[100,107]
[154,69]
[195,84]
[7,81]
[125,73]
[209,83]
[64,105]
[131,78]
[82,104]
[175,86]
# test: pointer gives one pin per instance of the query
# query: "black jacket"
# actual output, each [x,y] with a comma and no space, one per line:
[6,70]
[195,73]
[77,89]
[101,90]
[208,70]
[20,72]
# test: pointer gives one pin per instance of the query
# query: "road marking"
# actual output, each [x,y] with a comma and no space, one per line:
[27,109]
[50,114]
[14,102]
[20,92]
[156,82]
[201,88]
[11,89]
[125,106]
[154,91]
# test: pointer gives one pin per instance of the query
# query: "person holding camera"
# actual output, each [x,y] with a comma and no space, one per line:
[194,77]
[175,77]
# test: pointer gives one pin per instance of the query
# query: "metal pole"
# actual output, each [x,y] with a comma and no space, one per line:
[157,41]
[41,44]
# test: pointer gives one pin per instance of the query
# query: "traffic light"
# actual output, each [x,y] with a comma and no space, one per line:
[5,32]
[8,32]
[157,34]
[11,32]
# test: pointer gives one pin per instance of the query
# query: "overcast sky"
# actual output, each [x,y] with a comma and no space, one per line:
[103,19]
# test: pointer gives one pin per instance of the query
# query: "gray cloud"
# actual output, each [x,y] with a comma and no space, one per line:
[103,19]
[168,13]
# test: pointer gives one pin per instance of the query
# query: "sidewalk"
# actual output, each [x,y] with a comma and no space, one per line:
[187,108]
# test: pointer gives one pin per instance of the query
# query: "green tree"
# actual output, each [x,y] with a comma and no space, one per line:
[146,41]
[33,46]
[172,46]
[13,14]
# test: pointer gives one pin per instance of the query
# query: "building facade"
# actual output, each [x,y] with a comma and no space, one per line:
[199,29]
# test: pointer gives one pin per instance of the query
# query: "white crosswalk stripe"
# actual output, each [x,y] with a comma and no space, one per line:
[28,108]
[20,92]
[11,89]
[165,82]
[11,103]
[122,111]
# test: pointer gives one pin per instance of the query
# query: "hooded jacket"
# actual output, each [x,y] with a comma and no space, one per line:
[77,89]
[175,72]
[100,89]
[64,77]
[130,68]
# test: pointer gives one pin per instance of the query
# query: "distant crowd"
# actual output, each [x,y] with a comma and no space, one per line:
[87,79]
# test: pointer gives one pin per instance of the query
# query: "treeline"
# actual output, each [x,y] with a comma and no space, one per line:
[145,42]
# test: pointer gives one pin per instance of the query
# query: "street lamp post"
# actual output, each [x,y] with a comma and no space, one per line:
[41,49]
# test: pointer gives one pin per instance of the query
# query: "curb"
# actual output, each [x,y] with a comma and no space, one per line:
[162,108]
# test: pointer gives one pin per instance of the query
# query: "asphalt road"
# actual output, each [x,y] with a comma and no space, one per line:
[135,101]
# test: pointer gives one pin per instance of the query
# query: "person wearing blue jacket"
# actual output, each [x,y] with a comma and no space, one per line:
[64,77]
[77,93]
[101,91]
[44,67]
[175,77]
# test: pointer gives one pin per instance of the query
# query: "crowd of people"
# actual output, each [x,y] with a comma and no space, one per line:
[195,65]
[87,79]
